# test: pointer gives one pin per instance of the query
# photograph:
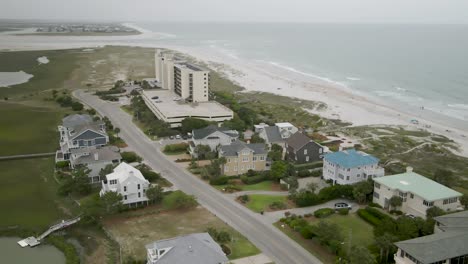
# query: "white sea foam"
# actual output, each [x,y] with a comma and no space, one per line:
[459,106]
[43,60]
[400,89]
[353,78]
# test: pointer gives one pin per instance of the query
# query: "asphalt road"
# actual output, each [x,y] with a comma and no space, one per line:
[272,242]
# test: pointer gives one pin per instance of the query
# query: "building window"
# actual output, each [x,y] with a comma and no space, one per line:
[428,204]
[320,150]
[138,186]
[139,195]
[347,178]
[411,195]
[112,182]
[450,200]
[349,169]
[262,158]
[245,159]
[226,168]
[253,166]
[377,185]
[305,151]
[376,195]
[235,168]
[359,175]
[125,197]
[254,158]
[307,158]
[228,160]
[125,188]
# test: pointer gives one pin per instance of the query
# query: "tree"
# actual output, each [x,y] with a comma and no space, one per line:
[362,190]
[77,106]
[395,202]
[223,237]
[278,170]
[191,123]
[464,200]
[276,152]
[108,169]
[204,152]
[385,244]
[328,232]
[360,255]
[444,177]
[81,180]
[236,124]
[256,139]
[116,131]
[434,212]
[112,202]
[179,200]
[155,193]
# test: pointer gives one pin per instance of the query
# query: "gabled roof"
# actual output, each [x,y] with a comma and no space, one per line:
[206,131]
[95,126]
[76,120]
[351,158]
[108,153]
[298,140]
[273,134]
[234,148]
[412,182]
[123,171]
[197,248]
[436,247]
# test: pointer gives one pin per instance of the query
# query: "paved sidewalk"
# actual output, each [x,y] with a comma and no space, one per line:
[257,259]
[236,194]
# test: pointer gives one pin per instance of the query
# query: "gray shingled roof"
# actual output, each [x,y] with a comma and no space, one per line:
[273,134]
[206,131]
[436,247]
[236,146]
[95,126]
[76,120]
[298,140]
[455,221]
[108,153]
[197,248]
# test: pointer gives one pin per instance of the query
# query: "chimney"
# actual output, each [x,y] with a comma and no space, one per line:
[409,169]
[96,156]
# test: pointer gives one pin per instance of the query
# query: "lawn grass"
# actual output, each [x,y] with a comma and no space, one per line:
[133,230]
[28,130]
[261,186]
[28,194]
[261,202]
[361,232]
[310,245]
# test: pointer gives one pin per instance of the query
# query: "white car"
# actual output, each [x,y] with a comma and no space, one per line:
[177,137]
[339,206]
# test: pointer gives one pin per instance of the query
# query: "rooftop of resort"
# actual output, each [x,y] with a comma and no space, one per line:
[351,158]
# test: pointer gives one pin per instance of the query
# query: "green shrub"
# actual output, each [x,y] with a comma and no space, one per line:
[179,200]
[130,156]
[307,232]
[244,198]
[375,212]
[62,164]
[278,205]
[309,166]
[71,255]
[343,211]
[316,173]
[175,148]
[219,181]
[303,173]
[376,205]
[396,212]
[366,216]
[298,223]
[254,179]
[324,212]
[232,188]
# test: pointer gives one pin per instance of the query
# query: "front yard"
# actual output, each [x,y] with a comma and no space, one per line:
[263,202]
[134,229]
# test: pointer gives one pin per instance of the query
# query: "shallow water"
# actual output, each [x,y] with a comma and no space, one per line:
[12,253]
[12,78]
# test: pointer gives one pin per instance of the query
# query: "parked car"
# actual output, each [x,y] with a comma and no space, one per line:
[171,137]
[410,216]
[184,137]
[339,206]
[177,137]
[155,97]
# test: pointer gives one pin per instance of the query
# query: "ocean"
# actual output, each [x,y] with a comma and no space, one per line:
[408,66]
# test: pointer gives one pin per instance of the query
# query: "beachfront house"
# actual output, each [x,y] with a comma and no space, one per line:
[198,248]
[351,166]
[276,134]
[446,246]
[286,129]
[95,159]
[242,157]
[417,193]
[80,131]
[212,136]
[128,182]
[301,149]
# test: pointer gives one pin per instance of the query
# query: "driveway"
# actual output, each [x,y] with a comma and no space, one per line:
[271,241]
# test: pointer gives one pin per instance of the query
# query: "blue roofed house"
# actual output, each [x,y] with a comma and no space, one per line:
[80,131]
[350,166]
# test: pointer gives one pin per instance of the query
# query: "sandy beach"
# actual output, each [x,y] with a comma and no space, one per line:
[342,102]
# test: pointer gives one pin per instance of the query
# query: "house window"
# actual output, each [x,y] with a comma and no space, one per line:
[139,195]
[450,200]
[253,166]
[226,168]
[112,182]
[376,195]
[305,151]
[228,160]
[349,169]
[347,178]
[377,185]
[307,158]
[254,158]
[262,158]
[138,186]
[125,188]
[125,197]
[75,142]
[411,195]
[320,150]
[235,168]
[428,204]
[245,159]
[359,175]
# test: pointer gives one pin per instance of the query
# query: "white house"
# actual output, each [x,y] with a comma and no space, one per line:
[417,192]
[127,181]
[276,134]
[212,136]
[286,129]
[350,166]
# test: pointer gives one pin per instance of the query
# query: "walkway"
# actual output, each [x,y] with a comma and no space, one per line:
[257,259]
[27,156]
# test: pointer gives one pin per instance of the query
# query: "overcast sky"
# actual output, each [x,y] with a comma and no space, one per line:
[336,11]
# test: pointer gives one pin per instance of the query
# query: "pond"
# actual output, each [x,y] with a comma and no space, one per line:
[13,78]
[12,253]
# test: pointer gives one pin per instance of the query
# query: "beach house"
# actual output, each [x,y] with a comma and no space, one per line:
[302,149]
[350,166]
[448,244]
[418,193]
[80,131]
[212,136]
[128,182]
[198,248]
[95,159]
[242,157]
[276,134]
